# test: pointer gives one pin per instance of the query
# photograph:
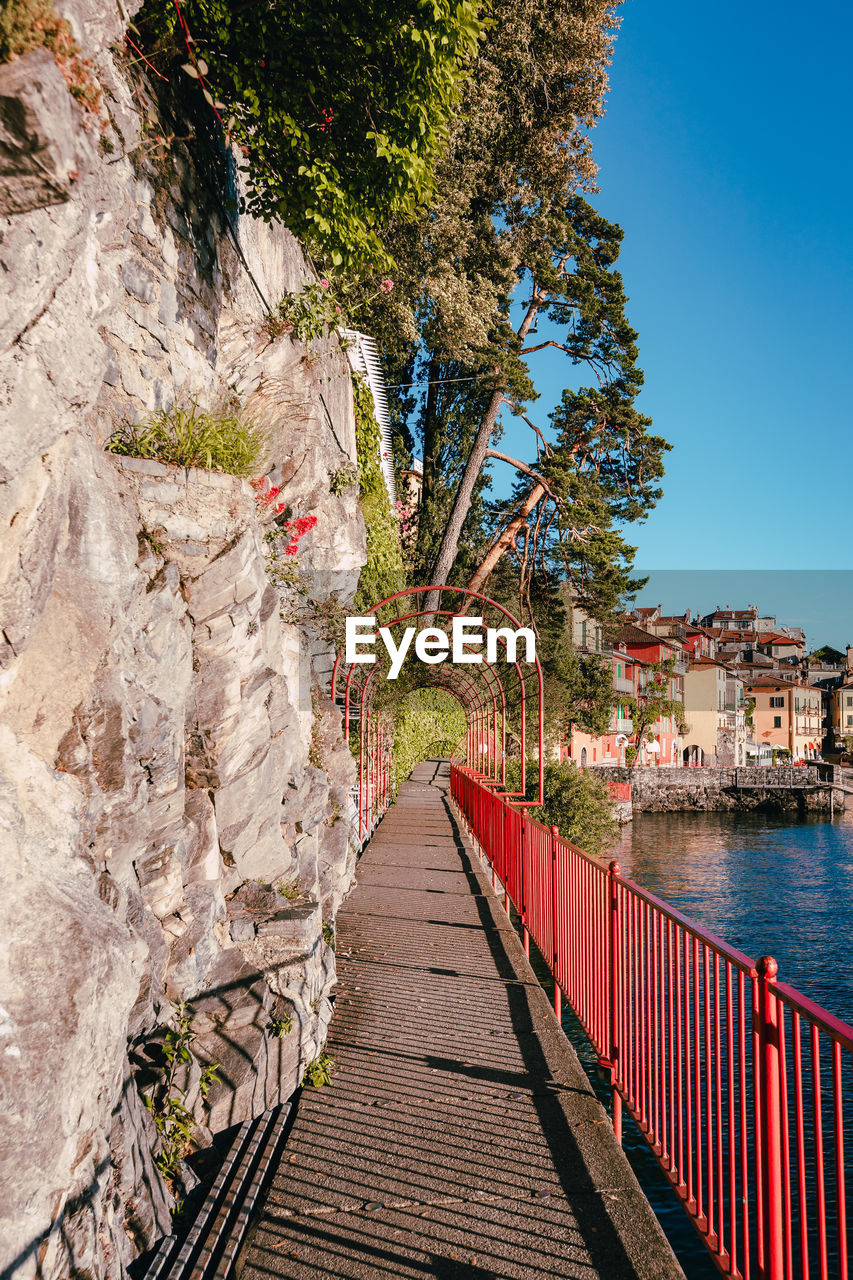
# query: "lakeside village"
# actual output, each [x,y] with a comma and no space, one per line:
[748,692]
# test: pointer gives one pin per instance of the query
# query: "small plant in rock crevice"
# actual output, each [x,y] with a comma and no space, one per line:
[314,313]
[315,750]
[289,889]
[281,1026]
[33,24]
[215,441]
[329,935]
[167,1103]
[319,1072]
[298,606]
[344,478]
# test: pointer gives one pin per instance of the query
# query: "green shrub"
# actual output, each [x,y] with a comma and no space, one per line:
[577,803]
[340,110]
[192,438]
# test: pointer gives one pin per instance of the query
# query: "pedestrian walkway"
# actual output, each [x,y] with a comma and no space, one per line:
[461,1138]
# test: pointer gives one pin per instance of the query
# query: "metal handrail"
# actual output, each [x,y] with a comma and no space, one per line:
[736,1080]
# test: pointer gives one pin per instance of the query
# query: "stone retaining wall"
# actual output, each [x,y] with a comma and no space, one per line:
[668,789]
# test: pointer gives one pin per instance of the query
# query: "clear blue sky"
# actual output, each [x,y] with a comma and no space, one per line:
[725,155]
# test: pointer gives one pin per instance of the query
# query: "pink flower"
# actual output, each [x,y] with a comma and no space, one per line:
[386,286]
[291,549]
[324,284]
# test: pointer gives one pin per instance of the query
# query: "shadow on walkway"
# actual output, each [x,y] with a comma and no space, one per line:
[461,1138]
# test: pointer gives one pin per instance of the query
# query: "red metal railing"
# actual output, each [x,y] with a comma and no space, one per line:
[736,1081]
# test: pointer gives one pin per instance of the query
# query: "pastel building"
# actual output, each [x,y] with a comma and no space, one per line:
[787,714]
[714,707]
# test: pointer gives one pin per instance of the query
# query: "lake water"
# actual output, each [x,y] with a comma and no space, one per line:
[767,884]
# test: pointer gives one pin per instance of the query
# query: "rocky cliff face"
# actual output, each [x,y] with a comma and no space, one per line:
[169,758]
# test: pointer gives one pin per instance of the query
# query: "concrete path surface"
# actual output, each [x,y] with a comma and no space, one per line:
[461,1138]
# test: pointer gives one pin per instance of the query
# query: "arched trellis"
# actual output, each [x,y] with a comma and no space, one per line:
[490,694]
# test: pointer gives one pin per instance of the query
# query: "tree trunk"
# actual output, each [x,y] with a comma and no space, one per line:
[449,548]
[431,451]
[504,541]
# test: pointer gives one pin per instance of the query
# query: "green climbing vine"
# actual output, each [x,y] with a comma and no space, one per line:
[384,572]
[338,112]
[427,723]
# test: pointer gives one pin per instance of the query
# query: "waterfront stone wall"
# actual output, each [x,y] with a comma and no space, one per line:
[169,758]
[669,789]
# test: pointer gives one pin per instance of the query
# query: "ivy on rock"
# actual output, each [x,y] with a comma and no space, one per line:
[384,572]
[340,110]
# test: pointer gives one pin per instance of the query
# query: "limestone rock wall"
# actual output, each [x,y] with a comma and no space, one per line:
[169,758]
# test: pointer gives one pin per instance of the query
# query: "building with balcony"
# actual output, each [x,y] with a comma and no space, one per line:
[609,748]
[788,714]
[715,709]
[663,744]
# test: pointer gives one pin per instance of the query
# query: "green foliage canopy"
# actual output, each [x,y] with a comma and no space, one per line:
[340,108]
[428,724]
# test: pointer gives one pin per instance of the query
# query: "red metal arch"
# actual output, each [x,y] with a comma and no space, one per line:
[478,687]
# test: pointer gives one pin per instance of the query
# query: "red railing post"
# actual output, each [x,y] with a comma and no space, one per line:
[613,996]
[558,1003]
[523,903]
[771,1261]
[505,811]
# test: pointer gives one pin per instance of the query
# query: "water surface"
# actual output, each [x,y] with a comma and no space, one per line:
[768,884]
[765,883]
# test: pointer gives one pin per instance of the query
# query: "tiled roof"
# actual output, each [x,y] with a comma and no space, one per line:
[631,634]
[777,637]
[712,662]
[768,682]
[732,613]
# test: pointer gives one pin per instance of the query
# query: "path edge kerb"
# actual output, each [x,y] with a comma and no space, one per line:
[633,1220]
